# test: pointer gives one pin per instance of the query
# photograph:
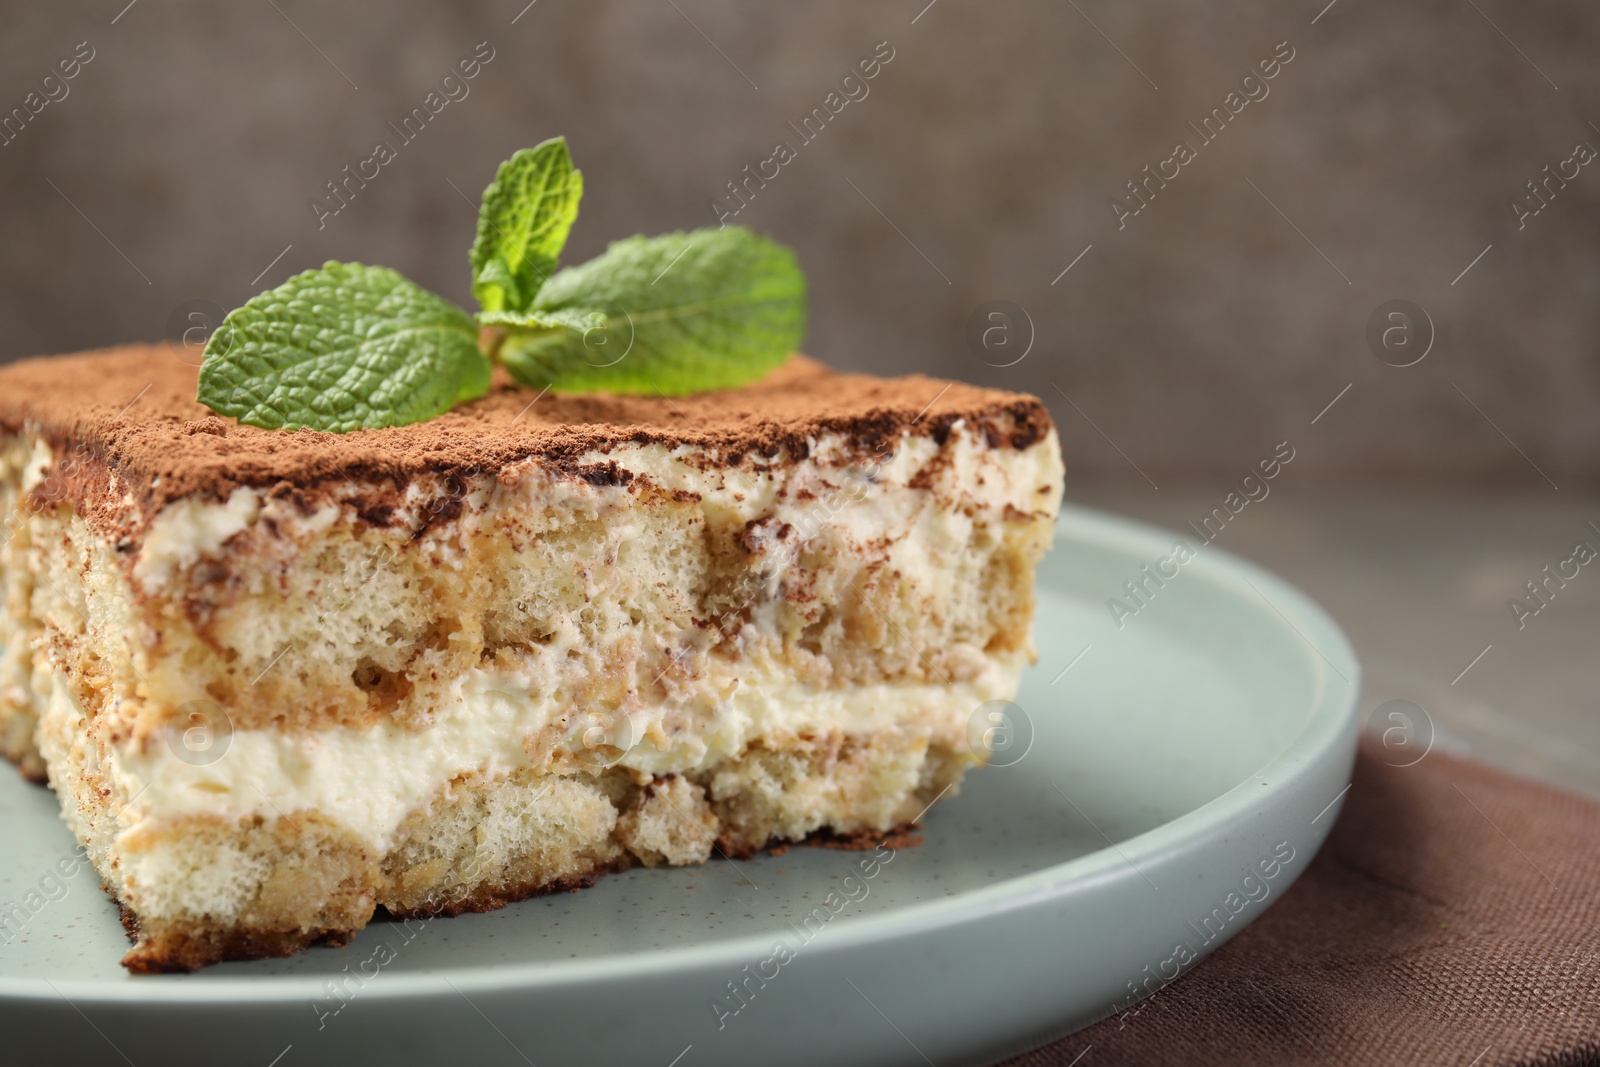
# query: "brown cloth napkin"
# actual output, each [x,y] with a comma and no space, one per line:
[1453,917]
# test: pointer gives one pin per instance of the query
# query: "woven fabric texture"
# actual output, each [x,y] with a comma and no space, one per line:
[1453,917]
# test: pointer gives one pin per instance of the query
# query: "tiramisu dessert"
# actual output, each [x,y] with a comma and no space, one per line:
[282,677]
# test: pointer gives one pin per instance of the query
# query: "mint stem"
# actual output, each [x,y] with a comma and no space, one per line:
[490,338]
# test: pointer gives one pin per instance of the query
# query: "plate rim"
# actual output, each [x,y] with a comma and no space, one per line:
[1328,722]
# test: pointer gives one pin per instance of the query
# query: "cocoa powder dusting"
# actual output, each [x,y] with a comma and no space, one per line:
[129,418]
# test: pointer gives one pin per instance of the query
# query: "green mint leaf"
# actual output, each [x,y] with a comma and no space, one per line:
[675,314]
[527,212]
[347,347]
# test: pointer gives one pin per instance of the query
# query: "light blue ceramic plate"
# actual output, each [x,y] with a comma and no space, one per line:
[1167,779]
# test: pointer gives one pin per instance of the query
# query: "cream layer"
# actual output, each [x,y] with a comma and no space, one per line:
[369,780]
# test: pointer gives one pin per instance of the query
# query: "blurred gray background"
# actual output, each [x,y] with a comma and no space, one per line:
[1220,320]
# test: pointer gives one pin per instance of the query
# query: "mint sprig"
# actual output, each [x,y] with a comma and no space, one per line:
[351,347]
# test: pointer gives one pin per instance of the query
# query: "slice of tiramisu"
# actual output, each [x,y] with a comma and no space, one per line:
[280,678]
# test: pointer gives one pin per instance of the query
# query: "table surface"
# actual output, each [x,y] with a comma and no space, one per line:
[1422,583]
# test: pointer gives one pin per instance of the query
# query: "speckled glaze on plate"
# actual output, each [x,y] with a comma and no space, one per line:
[1164,781]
